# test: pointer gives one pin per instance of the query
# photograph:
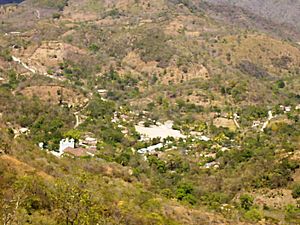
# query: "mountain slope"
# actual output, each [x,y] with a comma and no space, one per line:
[284,12]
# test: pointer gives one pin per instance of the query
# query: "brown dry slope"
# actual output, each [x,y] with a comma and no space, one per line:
[22,168]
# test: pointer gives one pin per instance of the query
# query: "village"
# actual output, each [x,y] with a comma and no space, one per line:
[161,138]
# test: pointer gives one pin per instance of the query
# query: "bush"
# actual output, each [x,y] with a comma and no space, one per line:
[94,48]
[185,193]
[75,134]
[246,201]
[56,15]
[99,108]
[296,191]
[5,54]
[280,84]
[253,215]
[292,214]
[157,163]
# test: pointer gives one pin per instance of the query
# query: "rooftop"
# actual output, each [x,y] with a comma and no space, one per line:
[80,152]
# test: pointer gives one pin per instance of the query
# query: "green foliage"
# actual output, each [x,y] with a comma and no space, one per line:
[253,112]
[280,84]
[178,164]
[280,175]
[296,191]
[124,158]
[98,108]
[154,47]
[215,199]
[253,215]
[158,164]
[13,79]
[47,130]
[94,48]
[292,213]
[75,134]
[184,192]
[56,15]
[246,201]
[188,107]
[72,72]
[119,88]
[111,135]
[6,54]
[121,187]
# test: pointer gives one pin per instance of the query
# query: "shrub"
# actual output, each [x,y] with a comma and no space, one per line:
[246,201]
[185,193]
[94,48]
[56,15]
[296,191]
[75,134]
[158,164]
[292,214]
[5,54]
[280,84]
[253,215]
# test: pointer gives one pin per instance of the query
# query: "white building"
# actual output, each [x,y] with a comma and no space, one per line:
[151,149]
[288,109]
[66,143]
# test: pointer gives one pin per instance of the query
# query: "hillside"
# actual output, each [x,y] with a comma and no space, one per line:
[280,12]
[149,112]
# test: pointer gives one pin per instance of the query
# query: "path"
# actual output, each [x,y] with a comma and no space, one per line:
[77,116]
[34,70]
[270,116]
[235,118]
[17,60]
[77,120]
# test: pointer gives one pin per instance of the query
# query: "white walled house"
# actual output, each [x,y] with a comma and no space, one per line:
[65,143]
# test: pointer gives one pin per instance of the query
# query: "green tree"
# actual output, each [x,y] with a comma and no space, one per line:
[75,134]
[73,203]
[184,192]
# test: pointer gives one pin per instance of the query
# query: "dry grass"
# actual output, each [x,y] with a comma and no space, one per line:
[51,94]
[22,168]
